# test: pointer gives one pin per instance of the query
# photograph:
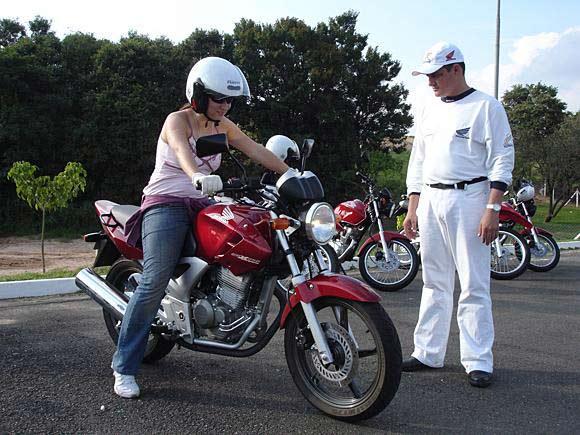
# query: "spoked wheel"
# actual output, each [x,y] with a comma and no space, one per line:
[545,255]
[389,271]
[513,256]
[118,277]
[366,371]
[311,268]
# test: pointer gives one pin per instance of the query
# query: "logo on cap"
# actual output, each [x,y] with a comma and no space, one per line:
[449,55]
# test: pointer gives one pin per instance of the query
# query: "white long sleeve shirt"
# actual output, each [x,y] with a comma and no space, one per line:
[459,141]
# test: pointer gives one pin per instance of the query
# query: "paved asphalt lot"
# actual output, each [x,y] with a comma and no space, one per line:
[55,355]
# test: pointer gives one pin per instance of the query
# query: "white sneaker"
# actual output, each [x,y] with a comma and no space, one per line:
[125,386]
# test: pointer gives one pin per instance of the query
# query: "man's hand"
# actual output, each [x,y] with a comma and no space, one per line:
[488,226]
[410,225]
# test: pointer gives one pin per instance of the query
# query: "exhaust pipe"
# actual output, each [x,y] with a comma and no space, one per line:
[101,292]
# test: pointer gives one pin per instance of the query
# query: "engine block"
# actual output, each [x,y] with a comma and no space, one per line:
[232,290]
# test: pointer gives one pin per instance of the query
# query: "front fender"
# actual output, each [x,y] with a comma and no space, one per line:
[329,285]
[389,235]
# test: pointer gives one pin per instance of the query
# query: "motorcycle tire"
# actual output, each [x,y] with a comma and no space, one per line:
[406,262]
[511,264]
[118,276]
[365,346]
[548,261]
[331,258]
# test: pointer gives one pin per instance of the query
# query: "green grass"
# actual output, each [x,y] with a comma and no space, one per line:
[56,273]
[565,226]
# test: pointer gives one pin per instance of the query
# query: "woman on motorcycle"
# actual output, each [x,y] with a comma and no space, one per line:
[171,199]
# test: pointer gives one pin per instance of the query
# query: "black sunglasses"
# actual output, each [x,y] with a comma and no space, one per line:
[227,100]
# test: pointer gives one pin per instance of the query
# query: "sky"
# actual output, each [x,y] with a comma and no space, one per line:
[539,39]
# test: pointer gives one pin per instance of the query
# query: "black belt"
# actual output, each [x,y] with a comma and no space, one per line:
[460,185]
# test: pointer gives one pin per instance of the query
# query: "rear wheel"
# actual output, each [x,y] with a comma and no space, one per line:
[545,255]
[512,258]
[392,270]
[118,277]
[366,371]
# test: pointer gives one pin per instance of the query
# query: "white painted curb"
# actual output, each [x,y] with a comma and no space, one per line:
[38,287]
[569,245]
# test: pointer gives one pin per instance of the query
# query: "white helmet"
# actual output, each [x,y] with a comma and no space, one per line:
[283,147]
[217,77]
[526,193]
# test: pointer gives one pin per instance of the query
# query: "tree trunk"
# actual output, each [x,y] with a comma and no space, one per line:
[42,243]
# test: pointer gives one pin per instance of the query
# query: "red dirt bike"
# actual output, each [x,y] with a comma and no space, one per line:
[341,347]
[387,260]
[510,254]
[519,210]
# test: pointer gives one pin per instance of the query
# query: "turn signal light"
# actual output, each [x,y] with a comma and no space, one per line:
[279,223]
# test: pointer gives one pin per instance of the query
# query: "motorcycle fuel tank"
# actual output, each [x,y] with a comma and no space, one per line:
[236,236]
[351,212]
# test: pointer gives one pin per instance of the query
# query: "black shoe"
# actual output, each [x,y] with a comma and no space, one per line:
[413,365]
[479,378]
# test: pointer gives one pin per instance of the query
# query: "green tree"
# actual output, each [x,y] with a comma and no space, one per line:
[558,162]
[323,82]
[535,112]
[46,194]
[10,31]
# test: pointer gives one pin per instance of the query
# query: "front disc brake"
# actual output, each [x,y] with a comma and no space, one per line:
[344,352]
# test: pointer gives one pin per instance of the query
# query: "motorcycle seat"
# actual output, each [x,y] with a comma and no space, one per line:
[122,213]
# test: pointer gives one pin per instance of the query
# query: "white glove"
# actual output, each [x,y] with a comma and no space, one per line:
[208,184]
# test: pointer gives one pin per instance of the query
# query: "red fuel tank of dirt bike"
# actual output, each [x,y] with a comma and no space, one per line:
[236,236]
[351,212]
[510,214]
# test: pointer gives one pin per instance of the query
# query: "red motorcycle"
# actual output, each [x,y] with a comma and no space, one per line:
[387,260]
[341,347]
[519,210]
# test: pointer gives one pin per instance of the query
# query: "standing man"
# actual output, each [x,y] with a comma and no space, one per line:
[460,166]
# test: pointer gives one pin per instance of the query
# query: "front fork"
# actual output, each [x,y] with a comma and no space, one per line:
[533,228]
[298,278]
[381,230]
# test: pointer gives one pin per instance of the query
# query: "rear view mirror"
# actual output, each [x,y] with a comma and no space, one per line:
[306,150]
[211,145]
[307,147]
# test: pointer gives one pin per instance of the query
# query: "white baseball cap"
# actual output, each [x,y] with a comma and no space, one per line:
[441,54]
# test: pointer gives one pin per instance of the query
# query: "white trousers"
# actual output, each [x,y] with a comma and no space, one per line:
[448,223]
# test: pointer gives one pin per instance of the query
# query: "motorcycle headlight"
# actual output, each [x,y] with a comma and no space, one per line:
[320,223]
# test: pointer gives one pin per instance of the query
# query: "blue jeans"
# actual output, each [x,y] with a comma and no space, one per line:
[164,229]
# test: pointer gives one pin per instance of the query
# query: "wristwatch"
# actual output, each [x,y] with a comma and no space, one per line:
[495,207]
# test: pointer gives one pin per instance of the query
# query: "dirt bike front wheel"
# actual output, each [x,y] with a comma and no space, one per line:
[118,276]
[513,257]
[366,371]
[389,271]
[545,255]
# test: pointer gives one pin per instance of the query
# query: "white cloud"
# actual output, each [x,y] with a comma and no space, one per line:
[550,58]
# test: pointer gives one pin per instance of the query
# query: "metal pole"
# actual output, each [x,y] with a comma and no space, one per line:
[497,26]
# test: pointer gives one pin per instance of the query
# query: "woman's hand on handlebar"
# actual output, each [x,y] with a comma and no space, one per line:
[208,184]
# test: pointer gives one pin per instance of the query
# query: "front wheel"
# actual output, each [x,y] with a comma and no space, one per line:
[513,256]
[366,371]
[388,271]
[118,277]
[545,255]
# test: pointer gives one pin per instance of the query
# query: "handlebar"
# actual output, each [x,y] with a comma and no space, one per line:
[365,178]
